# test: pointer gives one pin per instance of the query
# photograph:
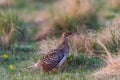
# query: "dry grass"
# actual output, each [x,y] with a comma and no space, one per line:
[7,29]
[11,29]
[5,37]
[82,43]
[112,70]
[110,35]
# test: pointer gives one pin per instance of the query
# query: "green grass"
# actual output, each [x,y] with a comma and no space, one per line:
[33,75]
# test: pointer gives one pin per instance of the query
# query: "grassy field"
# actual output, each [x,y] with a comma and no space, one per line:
[29,29]
[14,65]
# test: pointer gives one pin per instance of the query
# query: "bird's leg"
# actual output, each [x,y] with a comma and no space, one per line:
[56,70]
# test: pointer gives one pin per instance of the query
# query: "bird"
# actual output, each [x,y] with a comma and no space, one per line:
[55,57]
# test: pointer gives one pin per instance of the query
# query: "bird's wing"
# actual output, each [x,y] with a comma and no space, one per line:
[50,61]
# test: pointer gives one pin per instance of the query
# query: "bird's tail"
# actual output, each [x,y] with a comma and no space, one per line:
[35,66]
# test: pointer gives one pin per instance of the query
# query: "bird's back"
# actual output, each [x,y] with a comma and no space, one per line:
[51,60]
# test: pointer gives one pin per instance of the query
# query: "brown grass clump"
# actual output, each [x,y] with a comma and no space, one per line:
[11,29]
[82,43]
[6,37]
[105,36]
[112,70]
[110,35]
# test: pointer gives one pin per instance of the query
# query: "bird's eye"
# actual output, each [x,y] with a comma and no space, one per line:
[66,36]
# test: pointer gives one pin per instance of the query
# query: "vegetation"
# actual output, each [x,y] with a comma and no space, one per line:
[30,28]
[10,29]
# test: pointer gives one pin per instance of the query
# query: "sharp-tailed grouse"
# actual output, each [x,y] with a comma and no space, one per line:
[55,58]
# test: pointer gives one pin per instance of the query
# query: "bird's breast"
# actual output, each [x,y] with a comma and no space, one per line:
[62,60]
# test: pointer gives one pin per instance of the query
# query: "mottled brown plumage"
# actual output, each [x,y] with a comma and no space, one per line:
[55,58]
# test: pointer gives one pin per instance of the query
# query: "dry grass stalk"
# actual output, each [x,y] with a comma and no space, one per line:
[110,59]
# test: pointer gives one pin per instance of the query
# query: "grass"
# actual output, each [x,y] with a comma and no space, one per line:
[111,70]
[20,56]
[11,27]
[60,76]
[77,68]
[23,55]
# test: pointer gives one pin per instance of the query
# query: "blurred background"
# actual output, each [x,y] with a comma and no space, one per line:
[34,20]
[29,28]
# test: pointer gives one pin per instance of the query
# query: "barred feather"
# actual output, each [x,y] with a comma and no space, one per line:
[51,60]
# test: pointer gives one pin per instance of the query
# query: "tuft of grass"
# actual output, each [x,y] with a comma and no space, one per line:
[110,36]
[82,43]
[10,28]
[112,69]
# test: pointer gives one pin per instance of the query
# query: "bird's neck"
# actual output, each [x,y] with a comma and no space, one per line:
[64,45]
[64,41]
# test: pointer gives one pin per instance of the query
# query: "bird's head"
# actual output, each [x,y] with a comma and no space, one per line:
[66,34]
